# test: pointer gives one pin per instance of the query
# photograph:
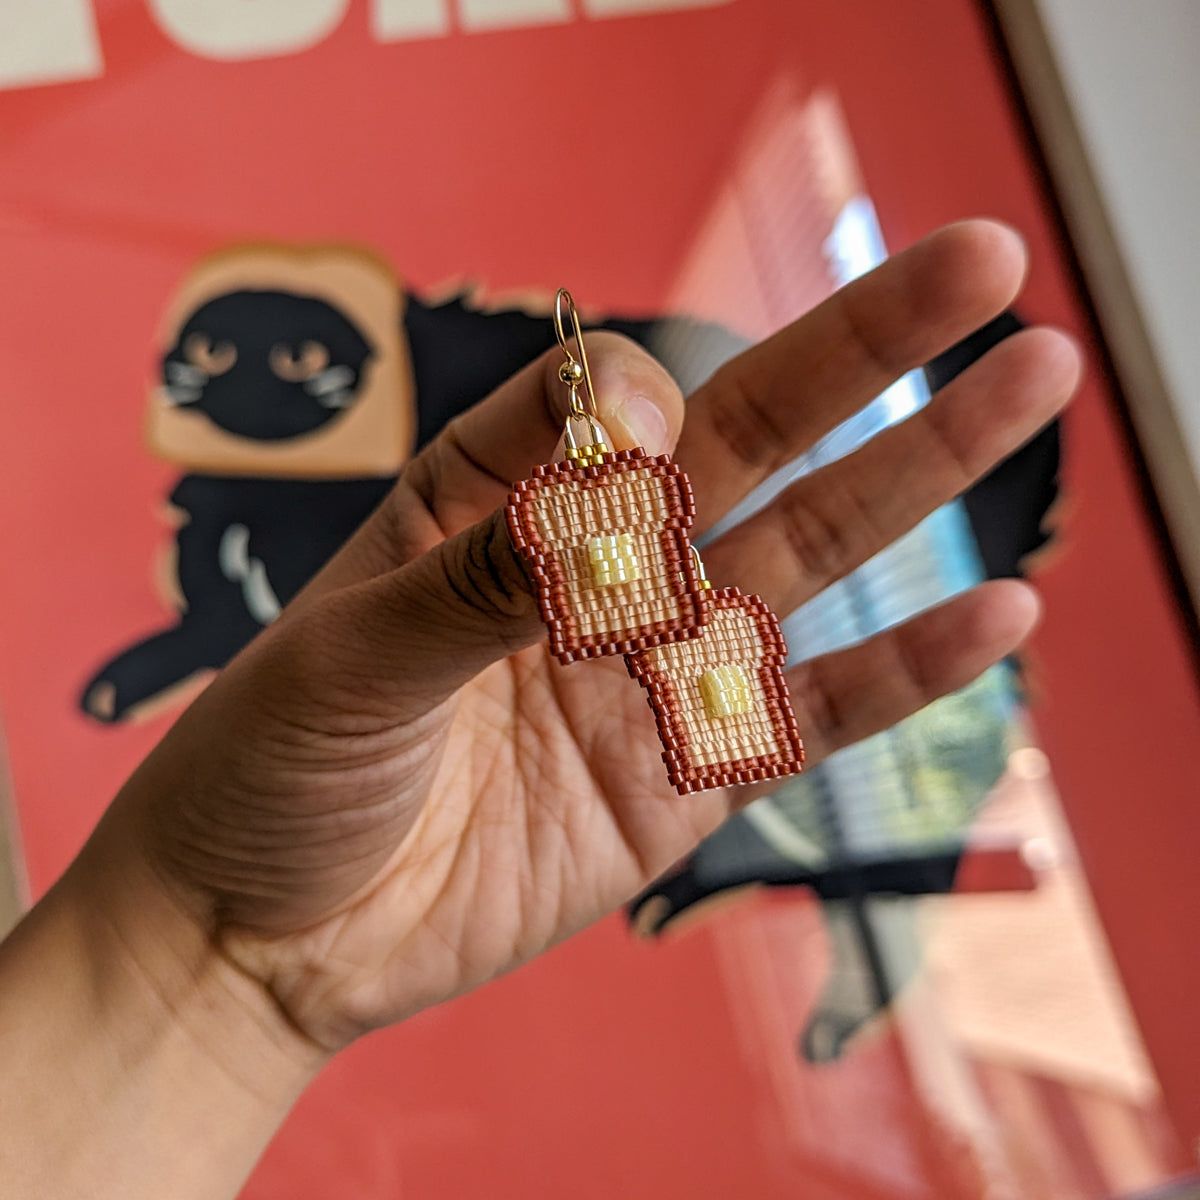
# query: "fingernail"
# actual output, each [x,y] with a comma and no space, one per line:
[644,424]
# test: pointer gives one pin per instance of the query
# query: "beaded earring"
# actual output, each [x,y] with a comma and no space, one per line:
[605,533]
[721,702]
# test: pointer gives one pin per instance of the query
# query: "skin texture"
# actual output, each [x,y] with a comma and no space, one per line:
[394,794]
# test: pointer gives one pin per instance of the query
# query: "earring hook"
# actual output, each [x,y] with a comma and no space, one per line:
[575,370]
[577,375]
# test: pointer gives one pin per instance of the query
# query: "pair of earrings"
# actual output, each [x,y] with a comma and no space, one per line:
[605,535]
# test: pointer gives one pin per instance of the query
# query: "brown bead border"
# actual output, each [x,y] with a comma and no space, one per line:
[682,772]
[566,642]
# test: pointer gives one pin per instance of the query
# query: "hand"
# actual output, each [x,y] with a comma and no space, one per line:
[395,794]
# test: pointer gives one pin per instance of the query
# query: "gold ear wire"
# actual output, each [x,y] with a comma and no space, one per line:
[574,373]
[575,370]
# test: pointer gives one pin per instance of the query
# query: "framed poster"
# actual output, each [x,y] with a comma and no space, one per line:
[402,176]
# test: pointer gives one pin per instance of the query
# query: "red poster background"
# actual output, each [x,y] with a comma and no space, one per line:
[586,153]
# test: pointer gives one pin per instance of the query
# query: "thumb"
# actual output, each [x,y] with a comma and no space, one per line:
[403,642]
[410,637]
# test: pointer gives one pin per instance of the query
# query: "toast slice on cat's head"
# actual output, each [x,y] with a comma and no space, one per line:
[285,362]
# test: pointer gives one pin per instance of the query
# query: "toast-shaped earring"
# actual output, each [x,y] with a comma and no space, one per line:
[721,701]
[604,533]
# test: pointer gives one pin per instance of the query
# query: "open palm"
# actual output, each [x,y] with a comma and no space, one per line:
[395,793]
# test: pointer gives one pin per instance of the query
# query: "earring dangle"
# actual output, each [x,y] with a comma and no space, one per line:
[721,702]
[605,533]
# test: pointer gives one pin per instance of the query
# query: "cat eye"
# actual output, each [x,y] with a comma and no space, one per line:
[211,356]
[298,366]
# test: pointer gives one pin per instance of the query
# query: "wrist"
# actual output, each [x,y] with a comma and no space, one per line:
[139,1061]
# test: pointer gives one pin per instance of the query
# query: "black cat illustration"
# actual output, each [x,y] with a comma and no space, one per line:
[284,393]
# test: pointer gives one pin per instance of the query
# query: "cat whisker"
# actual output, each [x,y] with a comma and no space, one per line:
[184,374]
[177,395]
[332,379]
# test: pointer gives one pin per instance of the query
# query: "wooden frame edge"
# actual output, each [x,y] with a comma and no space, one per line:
[1108,288]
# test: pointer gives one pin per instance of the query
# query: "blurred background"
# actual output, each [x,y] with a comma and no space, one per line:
[955,962]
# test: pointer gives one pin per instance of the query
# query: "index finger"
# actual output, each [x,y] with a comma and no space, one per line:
[779,397]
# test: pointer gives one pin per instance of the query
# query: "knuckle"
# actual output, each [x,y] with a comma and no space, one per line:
[746,426]
[484,572]
[819,543]
[861,325]
[943,448]
[816,702]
